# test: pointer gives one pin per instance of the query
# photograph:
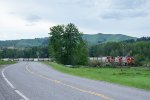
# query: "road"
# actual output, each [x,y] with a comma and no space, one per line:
[37,81]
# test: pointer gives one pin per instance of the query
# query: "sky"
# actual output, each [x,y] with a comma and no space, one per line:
[25,19]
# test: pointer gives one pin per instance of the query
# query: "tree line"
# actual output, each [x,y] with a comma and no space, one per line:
[139,50]
[31,52]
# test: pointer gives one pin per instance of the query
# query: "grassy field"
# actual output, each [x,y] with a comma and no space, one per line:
[6,62]
[134,77]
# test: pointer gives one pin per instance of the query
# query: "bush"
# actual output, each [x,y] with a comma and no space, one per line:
[139,59]
[146,64]
[95,63]
[108,65]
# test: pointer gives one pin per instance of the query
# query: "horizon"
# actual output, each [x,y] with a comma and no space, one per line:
[48,37]
[34,17]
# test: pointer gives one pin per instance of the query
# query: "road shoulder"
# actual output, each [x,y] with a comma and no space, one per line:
[6,92]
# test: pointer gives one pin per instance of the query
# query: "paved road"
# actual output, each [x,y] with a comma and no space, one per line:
[6,92]
[36,81]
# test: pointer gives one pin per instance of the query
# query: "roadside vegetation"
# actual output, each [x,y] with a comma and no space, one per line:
[6,62]
[138,77]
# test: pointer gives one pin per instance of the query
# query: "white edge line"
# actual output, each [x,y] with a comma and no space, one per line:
[9,83]
[7,79]
[18,92]
[24,97]
[3,74]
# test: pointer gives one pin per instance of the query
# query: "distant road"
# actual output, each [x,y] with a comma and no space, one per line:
[36,81]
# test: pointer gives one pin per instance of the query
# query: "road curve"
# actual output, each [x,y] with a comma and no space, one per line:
[36,81]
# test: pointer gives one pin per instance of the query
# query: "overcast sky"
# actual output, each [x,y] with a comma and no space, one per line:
[21,19]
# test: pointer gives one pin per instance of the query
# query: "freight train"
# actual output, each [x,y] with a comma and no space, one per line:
[115,60]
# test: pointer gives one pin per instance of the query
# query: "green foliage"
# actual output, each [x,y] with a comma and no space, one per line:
[24,53]
[146,64]
[139,50]
[82,53]
[56,42]
[106,49]
[95,63]
[66,45]
[139,59]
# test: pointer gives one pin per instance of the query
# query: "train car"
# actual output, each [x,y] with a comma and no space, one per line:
[130,60]
[116,60]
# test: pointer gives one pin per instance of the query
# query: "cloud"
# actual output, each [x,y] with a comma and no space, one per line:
[125,9]
[33,18]
[128,4]
[126,14]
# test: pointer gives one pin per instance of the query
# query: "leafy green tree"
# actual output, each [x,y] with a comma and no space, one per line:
[81,53]
[56,42]
[65,44]
[71,40]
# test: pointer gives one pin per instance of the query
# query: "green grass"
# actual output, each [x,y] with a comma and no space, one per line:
[6,62]
[134,77]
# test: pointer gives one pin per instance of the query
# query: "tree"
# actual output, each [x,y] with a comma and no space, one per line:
[56,42]
[65,44]
[81,53]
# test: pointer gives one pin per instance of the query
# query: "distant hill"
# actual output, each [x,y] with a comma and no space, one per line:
[24,42]
[102,38]
[91,39]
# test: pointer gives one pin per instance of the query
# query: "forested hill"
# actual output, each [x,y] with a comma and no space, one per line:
[24,43]
[91,39]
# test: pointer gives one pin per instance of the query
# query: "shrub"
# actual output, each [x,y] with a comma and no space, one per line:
[139,59]
[146,64]
[95,63]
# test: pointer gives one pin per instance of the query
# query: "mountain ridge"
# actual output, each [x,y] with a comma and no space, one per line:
[102,38]
[91,39]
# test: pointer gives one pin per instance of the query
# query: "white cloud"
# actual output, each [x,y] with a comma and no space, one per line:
[33,18]
[119,14]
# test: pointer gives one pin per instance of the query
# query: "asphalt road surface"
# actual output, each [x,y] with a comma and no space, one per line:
[36,81]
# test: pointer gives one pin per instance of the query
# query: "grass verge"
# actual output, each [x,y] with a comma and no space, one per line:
[6,62]
[134,77]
